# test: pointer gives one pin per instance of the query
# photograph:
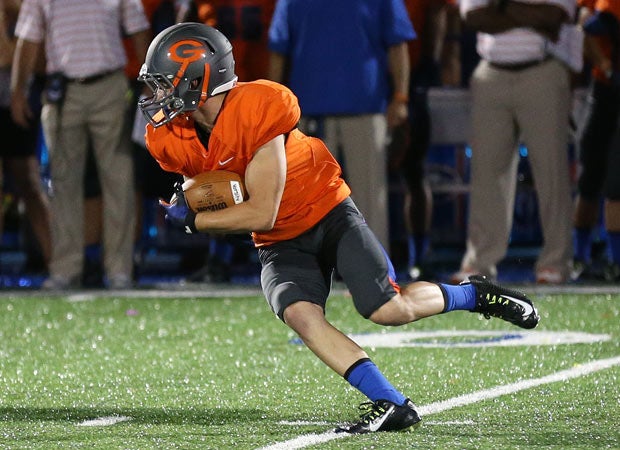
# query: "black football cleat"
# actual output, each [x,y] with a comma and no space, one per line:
[507,304]
[383,415]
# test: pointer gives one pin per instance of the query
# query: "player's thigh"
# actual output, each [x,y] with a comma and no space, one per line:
[290,274]
[366,270]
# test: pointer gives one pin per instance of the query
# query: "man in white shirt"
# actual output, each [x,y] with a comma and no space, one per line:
[520,94]
[85,105]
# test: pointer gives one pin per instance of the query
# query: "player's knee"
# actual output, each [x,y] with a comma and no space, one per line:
[393,313]
[302,316]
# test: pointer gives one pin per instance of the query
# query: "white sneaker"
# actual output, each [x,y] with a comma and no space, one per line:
[550,276]
[119,281]
[57,283]
[462,275]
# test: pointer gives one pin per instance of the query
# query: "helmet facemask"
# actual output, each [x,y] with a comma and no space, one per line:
[163,105]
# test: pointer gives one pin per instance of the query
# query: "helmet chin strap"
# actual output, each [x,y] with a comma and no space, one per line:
[203,98]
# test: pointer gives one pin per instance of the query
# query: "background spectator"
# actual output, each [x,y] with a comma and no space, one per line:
[520,93]
[410,141]
[18,151]
[600,160]
[245,23]
[349,67]
[85,102]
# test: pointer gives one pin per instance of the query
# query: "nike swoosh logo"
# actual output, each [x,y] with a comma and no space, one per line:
[374,426]
[223,163]
[528,309]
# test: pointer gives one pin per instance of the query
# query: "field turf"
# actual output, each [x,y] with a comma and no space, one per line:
[172,370]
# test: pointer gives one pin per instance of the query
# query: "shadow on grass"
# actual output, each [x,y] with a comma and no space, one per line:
[153,416]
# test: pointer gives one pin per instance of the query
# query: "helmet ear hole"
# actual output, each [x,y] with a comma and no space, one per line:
[195,84]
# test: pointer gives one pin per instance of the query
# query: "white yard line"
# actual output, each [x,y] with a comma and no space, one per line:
[104,421]
[462,400]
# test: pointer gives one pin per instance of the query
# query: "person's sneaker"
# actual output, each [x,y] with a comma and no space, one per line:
[578,268]
[462,275]
[611,273]
[383,415]
[550,276]
[58,283]
[506,304]
[119,281]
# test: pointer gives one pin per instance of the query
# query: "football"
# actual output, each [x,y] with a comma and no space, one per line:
[214,190]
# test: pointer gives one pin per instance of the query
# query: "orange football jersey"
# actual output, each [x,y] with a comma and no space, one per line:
[253,114]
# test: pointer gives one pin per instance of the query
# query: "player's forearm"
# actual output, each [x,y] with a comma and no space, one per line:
[398,58]
[546,19]
[489,20]
[242,218]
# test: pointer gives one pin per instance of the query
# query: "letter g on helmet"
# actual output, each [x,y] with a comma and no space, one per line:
[185,65]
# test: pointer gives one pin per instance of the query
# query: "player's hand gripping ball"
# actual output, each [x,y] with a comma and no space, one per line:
[208,191]
[178,213]
[214,190]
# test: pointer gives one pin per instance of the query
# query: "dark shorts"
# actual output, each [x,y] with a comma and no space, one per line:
[302,268]
[599,152]
[17,142]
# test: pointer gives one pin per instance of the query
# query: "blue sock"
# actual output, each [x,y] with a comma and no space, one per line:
[582,243]
[613,238]
[461,297]
[368,379]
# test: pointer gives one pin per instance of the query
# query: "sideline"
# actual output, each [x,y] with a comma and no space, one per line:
[208,290]
[433,408]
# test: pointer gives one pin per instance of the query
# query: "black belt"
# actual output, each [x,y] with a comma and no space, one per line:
[93,78]
[517,67]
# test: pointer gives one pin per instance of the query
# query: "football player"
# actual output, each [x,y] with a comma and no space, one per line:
[303,222]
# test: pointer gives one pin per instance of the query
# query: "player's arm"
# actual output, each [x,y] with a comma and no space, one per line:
[265,177]
[24,62]
[398,60]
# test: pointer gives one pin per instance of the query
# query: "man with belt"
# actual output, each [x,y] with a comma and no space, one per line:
[520,94]
[85,104]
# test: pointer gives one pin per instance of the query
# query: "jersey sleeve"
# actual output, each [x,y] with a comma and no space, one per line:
[173,149]
[265,110]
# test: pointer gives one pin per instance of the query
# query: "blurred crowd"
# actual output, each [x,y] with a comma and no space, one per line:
[78,190]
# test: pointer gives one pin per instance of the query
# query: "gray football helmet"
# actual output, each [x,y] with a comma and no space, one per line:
[185,65]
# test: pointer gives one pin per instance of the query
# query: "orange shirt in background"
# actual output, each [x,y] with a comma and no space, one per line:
[418,14]
[610,6]
[246,24]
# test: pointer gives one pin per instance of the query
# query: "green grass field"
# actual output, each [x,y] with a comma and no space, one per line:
[148,372]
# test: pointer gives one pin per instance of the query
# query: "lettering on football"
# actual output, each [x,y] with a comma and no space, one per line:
[214,190]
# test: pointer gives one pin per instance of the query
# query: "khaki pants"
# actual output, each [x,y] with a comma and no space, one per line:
[92,114]
[530,106]
[359,142]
